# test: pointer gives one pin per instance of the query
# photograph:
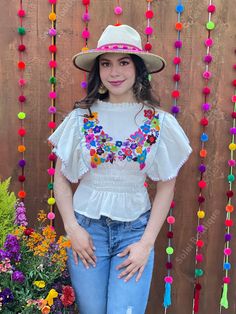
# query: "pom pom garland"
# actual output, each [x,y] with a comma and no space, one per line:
[175,94]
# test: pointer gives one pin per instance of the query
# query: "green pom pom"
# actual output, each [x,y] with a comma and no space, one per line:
[52,80]
[50,186]
[210,25]
[198,272]
[231,178]
[21,30]
[149,77]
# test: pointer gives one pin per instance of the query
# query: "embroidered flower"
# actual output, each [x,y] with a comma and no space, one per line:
[88,125]
[139,137]
[103,138]
[148,113]
[95,160]
[89,138]
[97,129]
[155,123]
[118,143]
[100,151]
[151,139]
[127,151]
[145,128]
[111,157]
[134,148]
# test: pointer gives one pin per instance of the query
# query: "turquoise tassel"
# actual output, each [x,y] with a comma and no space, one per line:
[224,298]
[167,296]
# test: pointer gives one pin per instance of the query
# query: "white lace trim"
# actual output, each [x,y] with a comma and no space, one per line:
[176,170]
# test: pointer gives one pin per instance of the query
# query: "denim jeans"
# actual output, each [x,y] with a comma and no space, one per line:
[97,289]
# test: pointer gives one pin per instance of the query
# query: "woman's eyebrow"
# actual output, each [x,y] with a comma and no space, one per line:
[104,59]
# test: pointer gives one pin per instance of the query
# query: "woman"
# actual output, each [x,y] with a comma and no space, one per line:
[113,139]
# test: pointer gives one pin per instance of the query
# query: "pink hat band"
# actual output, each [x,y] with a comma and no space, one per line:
[115,46]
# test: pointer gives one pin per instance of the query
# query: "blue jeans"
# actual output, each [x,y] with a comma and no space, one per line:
[98,290]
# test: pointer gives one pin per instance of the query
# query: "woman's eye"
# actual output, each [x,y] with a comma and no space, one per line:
[105,64]
[124,62]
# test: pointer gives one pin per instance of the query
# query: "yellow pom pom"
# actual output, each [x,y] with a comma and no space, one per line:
[51,201]
[52,16]
[201,214]
[232,146]
[21,115]
[84,49]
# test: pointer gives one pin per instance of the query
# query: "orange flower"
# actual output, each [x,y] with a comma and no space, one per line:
[46,309]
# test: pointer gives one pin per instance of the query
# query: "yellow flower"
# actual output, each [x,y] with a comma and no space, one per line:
[39,283]
[96,159]
[95,116]
[139,149]
[42,216]
[51,295]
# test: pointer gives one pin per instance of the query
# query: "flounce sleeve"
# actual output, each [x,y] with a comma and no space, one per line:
[66,140]
[172,150]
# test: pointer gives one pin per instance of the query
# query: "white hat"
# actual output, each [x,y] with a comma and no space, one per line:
[119,39]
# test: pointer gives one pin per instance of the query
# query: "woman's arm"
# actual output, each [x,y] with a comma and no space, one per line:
[63,196]
[81,241]
[139,251]
[160,208]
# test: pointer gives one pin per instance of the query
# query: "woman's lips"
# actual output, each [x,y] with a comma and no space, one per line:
[116,83]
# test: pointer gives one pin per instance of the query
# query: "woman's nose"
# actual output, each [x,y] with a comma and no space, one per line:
[114,70]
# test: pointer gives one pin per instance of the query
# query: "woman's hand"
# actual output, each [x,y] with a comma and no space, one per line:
[138,257]
[82,245]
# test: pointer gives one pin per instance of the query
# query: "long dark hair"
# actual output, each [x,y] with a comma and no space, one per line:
[142,87]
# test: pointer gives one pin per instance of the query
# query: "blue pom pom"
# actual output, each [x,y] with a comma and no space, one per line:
[179,8]
[227,266]
[204,137]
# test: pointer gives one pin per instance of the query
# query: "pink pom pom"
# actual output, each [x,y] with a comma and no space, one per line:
[231,162]
[86,17]
[234,98]
[51,216]
[85,34]
[148,30]
[199,257]
[145,184]
[22,82]
[52,64]
[207,75]
[171,220]
[52,95]
[227,251]
[52,32]
[118,10]
[52,109]
[226,280]
[51,171]
[169,279]
[209,42]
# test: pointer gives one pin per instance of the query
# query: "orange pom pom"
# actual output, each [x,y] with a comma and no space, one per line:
[21,148]
[203,153]
[229,208]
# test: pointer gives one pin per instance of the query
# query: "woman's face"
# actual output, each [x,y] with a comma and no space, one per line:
[117,73]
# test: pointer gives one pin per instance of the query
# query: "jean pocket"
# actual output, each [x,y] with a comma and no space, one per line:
[81,219]
[140,222]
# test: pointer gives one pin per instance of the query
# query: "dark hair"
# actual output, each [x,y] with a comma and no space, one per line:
[142,87]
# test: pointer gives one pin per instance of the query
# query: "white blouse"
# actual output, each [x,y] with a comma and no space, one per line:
[112,153]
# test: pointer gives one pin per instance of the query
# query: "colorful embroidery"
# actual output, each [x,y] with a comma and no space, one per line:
[135,147]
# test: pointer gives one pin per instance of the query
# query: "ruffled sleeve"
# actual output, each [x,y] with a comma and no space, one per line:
[172,150]
[66,140]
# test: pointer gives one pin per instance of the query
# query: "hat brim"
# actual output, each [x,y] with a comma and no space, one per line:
[85,60]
